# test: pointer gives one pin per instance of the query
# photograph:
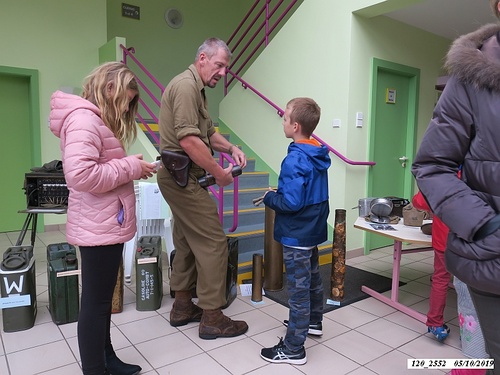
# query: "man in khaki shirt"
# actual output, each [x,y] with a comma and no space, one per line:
[199,239]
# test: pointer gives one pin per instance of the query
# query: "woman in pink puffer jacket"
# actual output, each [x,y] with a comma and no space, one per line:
[94,130]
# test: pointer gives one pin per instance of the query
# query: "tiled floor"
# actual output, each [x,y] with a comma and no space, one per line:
[367,337]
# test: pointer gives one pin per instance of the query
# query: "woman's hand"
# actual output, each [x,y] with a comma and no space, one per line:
[148,169]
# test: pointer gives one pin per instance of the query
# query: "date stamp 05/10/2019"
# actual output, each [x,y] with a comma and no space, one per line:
[450,364]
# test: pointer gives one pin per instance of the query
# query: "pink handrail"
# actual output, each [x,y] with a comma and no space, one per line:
[234,72]
[342,157]
[251,39]
[238,28]
[148,128]
[247,85]
[241,25]
[281,112]
[264,40]
[129,52]
[219,195]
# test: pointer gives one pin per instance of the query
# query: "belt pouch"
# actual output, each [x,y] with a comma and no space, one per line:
[177,164]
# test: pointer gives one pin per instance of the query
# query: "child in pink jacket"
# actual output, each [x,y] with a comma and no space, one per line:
[94,130]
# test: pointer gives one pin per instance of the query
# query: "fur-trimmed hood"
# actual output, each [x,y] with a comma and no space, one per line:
[474,58]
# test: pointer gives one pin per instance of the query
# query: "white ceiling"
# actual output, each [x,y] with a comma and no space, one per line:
[447,18]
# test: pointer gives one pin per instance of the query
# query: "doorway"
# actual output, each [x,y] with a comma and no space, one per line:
[394,103]
[20,141]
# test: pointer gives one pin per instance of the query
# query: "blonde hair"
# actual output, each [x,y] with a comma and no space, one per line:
[306,112]
[117,112]
[494,7]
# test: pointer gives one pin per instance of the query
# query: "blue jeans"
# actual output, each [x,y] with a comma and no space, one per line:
[305,293]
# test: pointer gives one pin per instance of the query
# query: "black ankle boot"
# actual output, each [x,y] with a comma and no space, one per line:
[115,366]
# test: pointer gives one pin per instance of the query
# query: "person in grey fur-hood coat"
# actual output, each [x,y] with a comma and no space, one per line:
[465,131]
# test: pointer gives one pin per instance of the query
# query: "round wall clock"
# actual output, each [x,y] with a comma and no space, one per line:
[173,18]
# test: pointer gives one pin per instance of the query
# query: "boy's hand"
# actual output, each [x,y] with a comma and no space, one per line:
[259,200]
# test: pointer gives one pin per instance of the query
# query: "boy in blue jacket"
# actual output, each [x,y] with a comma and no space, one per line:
[302,208]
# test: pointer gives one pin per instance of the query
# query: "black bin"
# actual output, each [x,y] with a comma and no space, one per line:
[148,273]
[232,271]
[62,274]
[18,288]
[231,276]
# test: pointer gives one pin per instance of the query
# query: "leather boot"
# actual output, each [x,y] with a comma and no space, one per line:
[184,310]
[215,324]
[114,365]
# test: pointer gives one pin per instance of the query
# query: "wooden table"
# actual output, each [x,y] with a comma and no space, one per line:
[402,233]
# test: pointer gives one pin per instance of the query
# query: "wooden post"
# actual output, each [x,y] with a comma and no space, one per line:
[273,255]
[338,258]
[257,278]
[117,302]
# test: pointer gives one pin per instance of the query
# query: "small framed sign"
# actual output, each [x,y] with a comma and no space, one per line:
[390,96]
[131,11]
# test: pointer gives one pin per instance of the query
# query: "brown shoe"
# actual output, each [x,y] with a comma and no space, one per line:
[184,310]
[215,324]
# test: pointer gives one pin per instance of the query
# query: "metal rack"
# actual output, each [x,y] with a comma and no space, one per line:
[46,193]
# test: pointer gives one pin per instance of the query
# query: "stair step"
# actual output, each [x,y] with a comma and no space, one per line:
[245,197]
[250,180]
[249,243]
[246,216]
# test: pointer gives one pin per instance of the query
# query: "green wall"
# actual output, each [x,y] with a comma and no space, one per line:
[167,52]
[59,39]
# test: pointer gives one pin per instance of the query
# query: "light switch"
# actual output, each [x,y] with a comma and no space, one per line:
[336,123]
[359,119]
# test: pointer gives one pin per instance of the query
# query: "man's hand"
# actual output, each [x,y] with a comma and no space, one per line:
[226,177]
[239,156]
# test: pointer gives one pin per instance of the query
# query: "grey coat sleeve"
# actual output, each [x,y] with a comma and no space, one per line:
[445,146]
